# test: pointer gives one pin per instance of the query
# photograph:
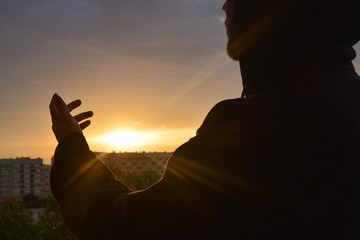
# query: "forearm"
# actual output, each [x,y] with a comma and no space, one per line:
[76,164]
[80,182]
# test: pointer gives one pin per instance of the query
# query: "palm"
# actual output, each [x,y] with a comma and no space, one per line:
[63,122]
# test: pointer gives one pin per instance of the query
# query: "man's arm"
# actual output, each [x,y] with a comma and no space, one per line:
[94,204]
[97,206]
[188,203]
[79,181]
[84,187]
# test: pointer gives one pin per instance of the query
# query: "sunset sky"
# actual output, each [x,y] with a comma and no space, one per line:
[150,68]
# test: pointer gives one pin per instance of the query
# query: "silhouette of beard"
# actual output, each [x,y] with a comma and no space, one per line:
[247,21]
[233,35]
[235,10]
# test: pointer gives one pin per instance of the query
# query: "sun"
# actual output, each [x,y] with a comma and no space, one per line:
[125,138]
[131,139]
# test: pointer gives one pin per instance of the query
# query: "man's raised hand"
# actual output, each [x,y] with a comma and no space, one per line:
[63,122]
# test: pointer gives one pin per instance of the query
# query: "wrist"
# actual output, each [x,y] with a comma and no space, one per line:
[71,144]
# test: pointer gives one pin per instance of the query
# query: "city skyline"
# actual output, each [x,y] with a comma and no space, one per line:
[151,69]
[23,175]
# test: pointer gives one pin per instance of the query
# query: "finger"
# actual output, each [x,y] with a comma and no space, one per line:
[74,104]
[60,104]
[85,124]
[83,116]
[53,111]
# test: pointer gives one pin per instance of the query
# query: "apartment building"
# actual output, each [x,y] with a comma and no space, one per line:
[20,176]
[137,161]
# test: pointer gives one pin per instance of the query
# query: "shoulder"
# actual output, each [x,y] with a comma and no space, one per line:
[231,114]
[220,111]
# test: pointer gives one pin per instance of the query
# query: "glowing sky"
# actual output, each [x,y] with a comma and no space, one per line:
[156,67]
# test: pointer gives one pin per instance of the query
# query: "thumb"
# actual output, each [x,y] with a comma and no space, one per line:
[60,104]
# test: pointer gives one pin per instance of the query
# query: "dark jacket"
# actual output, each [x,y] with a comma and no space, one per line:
[283,164]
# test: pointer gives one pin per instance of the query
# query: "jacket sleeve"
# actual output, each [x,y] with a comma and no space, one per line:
[84,187]
[95,205]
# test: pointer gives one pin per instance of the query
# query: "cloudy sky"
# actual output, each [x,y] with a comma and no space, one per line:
[154,67]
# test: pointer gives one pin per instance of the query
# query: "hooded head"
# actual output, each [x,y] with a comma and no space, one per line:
[268,36]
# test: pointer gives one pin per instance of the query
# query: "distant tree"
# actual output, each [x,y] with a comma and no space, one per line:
[32,201]
[134,180]
[16,222]
[139,181]
[114,168]
[51,223]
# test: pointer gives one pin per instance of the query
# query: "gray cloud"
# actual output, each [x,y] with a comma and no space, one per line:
[138,25]
[50,40]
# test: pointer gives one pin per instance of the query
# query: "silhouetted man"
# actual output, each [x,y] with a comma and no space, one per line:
[281,162]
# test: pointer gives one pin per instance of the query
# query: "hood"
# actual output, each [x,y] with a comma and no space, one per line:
[309,37]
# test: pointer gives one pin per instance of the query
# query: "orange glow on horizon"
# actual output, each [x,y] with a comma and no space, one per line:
[125,138]
[139,140]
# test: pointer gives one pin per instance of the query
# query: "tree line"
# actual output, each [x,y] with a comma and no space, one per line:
[17,222]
